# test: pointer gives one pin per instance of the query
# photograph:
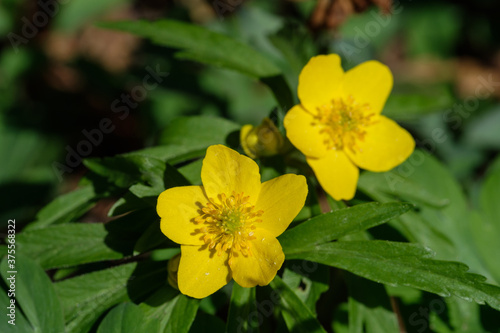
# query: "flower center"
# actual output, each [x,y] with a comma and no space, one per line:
[228,224]
[343,122]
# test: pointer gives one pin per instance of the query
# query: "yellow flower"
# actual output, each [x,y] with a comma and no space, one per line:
[263,140]
[338,125]
[227,228]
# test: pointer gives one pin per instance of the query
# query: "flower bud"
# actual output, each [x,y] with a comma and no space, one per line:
[263,140]
[172,268]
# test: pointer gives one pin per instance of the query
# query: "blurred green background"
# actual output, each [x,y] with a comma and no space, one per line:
[61,75]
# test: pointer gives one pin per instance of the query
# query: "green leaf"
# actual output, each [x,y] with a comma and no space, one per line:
[126,318]
[242,310]
[128,202]
[126,170]
[204,320]
[447,229]
[331,226]
[423,39]
[21,324]
[281,92]
[297,315]
[187,138]
[182,314]
[399,185]
[295,43]
[482,131]
[464,316]
[197,132]
[212,48]
[84,298]
[75,14]
[79,243]
[404,264]
[369,304]
[192,172]
[486,224]
[308,280]
[172,153]
[200,44]
[65,208]
[150,239]
[340,322]
[35,295]
[411,105]
[490,193]
[66,244]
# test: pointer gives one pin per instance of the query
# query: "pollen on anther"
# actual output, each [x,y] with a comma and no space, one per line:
[229,224]
[344,122]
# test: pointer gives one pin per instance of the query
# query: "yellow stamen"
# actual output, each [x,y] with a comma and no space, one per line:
[228,224]
[343,122]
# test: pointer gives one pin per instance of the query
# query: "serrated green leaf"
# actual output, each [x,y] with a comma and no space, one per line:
[241,307]
[35,294]
[297,315]
[208,47]
[79,243]
[66,244]
[447,229]
[126,318]
[201,45]
[65,208]
[331,226]
[86,297]
[404,264]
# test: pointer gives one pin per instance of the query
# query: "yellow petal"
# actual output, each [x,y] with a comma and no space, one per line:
[336,173]
[319,81]
[177,207]
[369,82]
[281,199]
[303,134]
[261,266]
[201,271]
[224,171]
[386,145]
